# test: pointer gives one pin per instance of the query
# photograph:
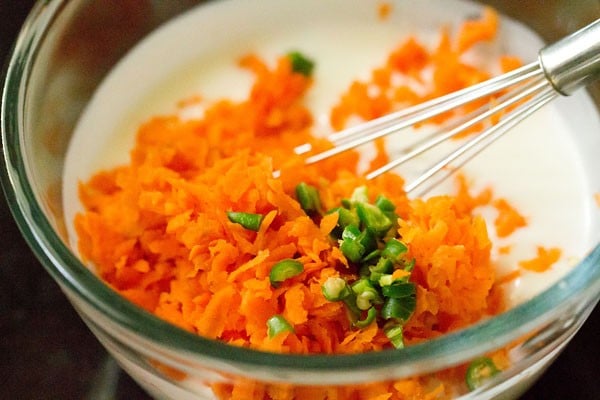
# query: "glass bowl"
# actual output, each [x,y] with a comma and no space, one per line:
[63,52]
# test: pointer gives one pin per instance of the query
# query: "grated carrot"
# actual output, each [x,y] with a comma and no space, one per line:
[414,62]
[156,229]
[508,219]
[479,30]
[543,261]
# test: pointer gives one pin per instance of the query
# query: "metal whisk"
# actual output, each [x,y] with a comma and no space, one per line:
[561,68]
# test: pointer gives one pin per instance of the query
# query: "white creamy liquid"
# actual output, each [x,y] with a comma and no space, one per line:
[545,167]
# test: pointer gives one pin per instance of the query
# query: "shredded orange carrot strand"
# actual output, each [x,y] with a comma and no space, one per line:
[543,261]
[504,249]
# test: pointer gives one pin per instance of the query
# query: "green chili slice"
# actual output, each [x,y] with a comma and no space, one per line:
[366,294]
[373,218]
[351,232]
[368,320]
[247,220]
[335,288]
[283,270]
[479,370]
[395,334]
[351,245]
[385,204]
[388,208]
[352,249]
[369,241]
[385,280]
[278,324]
[346,217]
[410,265]
[383,267]
[300,63]
[353,311]
[360,195]
[308,197]
[399,290]
[366,233]
[375,254]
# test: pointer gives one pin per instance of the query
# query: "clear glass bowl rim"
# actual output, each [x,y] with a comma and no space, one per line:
[582,285]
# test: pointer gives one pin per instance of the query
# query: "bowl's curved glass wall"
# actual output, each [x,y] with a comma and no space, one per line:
[65,50]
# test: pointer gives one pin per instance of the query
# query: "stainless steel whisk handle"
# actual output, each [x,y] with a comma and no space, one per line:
[573,61]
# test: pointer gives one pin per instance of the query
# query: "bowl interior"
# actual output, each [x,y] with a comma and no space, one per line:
[54,83]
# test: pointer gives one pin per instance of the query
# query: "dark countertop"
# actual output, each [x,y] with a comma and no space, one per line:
[48,353]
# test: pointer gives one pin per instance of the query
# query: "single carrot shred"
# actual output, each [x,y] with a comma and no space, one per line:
[414,63]
[504,249]
[543,261]
[509,63]
[511,276]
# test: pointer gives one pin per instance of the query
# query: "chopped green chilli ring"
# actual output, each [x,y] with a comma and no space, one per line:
[301,64]
[283,270]
[308,197]
[247,220]
[479,371]
[354,243]
[394,249]
[278,324]
[395,334]
[368,320]
[399,290]
[367,236]
[399,309]
[373,218]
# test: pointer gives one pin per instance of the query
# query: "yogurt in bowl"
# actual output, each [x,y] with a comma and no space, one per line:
[344,52]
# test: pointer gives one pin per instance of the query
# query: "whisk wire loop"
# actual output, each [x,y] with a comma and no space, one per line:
[487,137]
[561,68]
[383,126]
[464,123]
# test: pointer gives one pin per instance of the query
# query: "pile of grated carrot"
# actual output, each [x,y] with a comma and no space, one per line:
[156,229]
